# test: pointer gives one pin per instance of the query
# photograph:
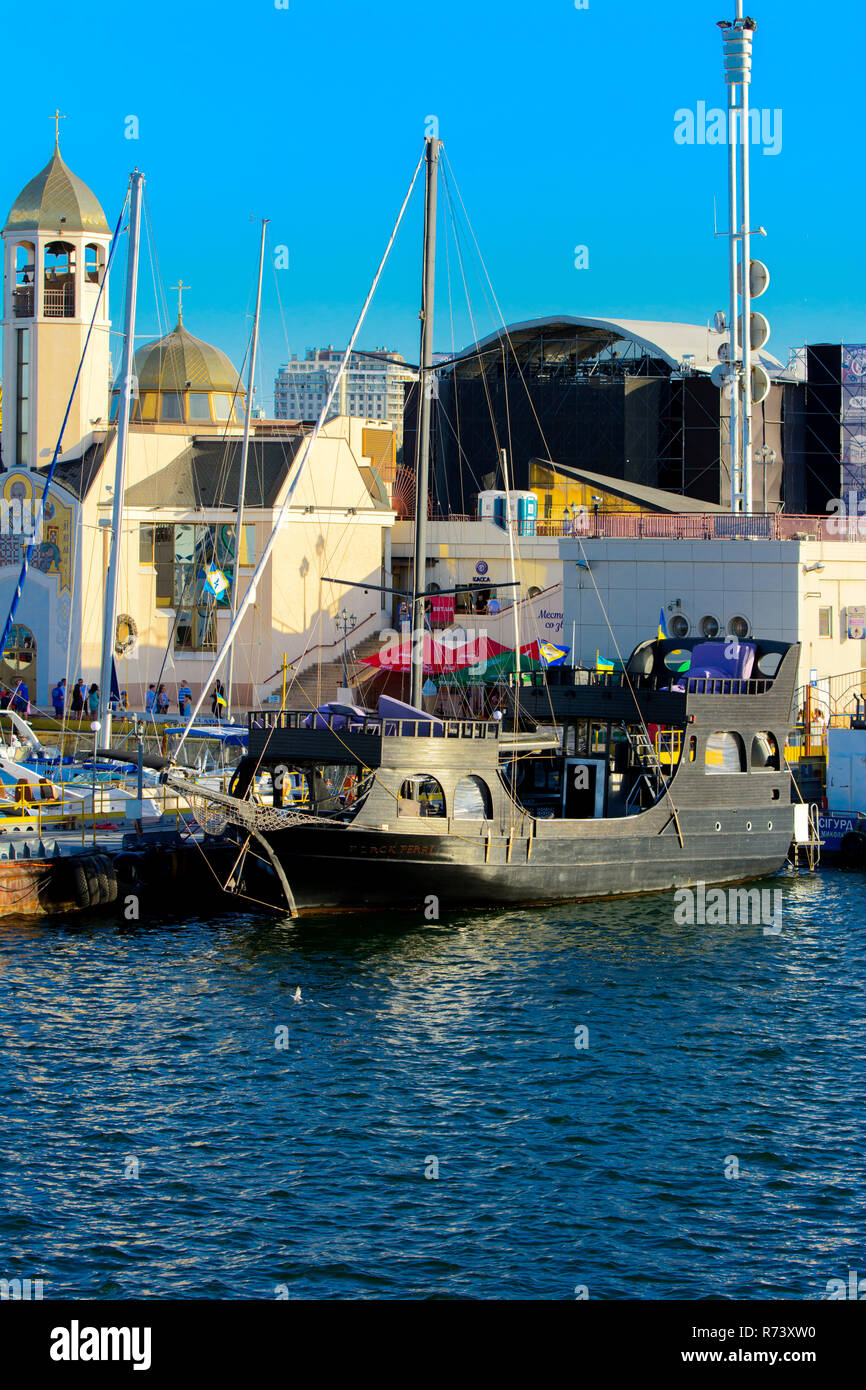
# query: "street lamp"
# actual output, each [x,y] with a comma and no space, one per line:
[766,457]
[346,624]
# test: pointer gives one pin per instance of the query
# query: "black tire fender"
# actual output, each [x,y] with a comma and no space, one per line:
[853,847]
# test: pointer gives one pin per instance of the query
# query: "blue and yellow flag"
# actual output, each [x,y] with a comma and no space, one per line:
[551,655]
[215,583]
[663,627]
[601,664]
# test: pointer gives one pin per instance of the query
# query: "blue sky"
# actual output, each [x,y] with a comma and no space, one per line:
[558,124]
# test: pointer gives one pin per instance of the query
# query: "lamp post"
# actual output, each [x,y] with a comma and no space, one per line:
[346,624]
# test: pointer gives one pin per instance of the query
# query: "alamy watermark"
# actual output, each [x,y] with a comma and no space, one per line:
[717,126]
[721,907]
[847,515]
[21,517]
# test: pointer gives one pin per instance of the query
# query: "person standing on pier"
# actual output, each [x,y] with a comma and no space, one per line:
[21,702]
[218,701]
[77,705]
[150,700]
[93,700]
[184,699]
[58,699]
[162,700]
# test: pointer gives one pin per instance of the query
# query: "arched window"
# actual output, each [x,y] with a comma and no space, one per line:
[58,301]
[94,263]
[765,753]
[25,280]
[421,796]
[725,753]
[472,799]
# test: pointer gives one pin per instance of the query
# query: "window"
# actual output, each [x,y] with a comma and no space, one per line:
[472,799]
[765,753]
[739,627]
[769,663]
[171,407]
[195,630]
[825,622]
[725,753]
[199,405]
[678,660]
[93,264]
[709,626]
[222,406]
[421,796]
[679,625]
[22,395]
[58,293]
[25,280]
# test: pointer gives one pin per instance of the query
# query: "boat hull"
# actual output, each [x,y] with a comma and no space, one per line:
[354,870]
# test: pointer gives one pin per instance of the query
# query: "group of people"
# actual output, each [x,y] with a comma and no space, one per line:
[85,701]
[82,701]
[157,700]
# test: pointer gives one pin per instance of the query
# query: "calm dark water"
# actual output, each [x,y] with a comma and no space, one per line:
[304,1167]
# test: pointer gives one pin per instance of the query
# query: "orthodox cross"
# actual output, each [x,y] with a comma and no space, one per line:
[180,287]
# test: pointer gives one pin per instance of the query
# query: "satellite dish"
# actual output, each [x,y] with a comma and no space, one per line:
[760,384]
[759,279]
[721,375]
[720,321]
[759,331]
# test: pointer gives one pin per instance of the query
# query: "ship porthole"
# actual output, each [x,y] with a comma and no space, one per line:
[748,825]
[718,825]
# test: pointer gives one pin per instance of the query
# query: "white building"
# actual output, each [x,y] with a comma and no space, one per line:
[371,388]
[604,595]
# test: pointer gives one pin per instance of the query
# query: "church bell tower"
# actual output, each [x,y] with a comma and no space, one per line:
[55,246]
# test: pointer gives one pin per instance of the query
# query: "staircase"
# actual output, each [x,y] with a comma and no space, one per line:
[317,683]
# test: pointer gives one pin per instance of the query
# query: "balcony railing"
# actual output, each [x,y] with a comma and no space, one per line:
[22,302]
[59,303]
[685,526]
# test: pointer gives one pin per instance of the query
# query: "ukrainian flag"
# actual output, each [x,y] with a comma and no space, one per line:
[601,664]
[663,627]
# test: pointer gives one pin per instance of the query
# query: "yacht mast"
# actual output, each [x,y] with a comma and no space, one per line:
[239,532]
[426,381]
[136,184]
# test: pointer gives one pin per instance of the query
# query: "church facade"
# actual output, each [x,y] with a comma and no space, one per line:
[179,549]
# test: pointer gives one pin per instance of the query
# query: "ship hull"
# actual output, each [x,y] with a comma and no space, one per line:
[355,871]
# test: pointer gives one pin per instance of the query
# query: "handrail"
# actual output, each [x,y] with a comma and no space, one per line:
[686,526]
[375,725]
[558,677]
[320,646]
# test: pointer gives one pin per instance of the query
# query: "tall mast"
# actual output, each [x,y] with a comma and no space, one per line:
[245,450]
[425,382]
[733,315]
[109,618]
[745,290]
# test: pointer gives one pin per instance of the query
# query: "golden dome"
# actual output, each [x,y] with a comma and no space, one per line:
[56,201]
[180,362]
